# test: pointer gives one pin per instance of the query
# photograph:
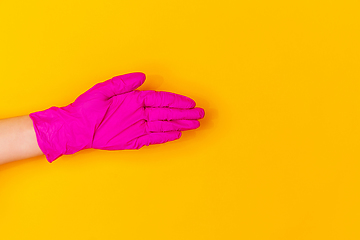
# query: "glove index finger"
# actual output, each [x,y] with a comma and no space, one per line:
[167,99]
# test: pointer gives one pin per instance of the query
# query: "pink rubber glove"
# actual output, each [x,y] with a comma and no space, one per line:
[113,116]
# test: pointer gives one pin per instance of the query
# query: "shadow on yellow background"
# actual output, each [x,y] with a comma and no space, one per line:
[276,156]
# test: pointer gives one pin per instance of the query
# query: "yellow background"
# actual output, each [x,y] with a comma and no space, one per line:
[276,156]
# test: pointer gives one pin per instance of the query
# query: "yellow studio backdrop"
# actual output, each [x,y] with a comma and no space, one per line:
[276,156]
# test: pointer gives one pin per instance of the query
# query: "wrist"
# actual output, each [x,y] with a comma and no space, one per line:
[60,132]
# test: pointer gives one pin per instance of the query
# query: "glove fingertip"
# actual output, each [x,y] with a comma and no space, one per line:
[128,82]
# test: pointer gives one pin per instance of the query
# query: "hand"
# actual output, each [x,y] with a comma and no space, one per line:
[112,115]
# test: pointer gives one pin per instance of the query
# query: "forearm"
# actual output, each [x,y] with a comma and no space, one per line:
[17,139]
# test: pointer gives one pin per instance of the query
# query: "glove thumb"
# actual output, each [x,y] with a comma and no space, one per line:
[115,86]
[125,83]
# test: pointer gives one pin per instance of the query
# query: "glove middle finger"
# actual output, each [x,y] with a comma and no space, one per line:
[161,114]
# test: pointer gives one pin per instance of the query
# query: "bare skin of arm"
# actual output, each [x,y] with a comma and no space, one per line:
[17,139]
